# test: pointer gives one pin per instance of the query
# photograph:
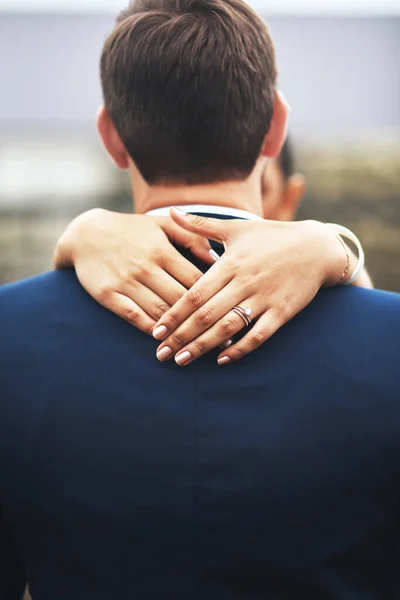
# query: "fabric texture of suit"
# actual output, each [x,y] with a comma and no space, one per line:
[276,478]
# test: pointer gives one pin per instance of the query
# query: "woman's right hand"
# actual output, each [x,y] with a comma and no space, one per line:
[128,263]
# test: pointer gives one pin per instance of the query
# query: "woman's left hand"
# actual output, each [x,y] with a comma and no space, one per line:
[274,269]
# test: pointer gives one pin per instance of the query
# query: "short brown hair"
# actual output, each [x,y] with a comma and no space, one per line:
[189,86]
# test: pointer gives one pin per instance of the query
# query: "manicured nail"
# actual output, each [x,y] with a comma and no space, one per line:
[160,332]
[180,211]
[183,358]
[224,360]
[214,255]
[164,353]
[227,344]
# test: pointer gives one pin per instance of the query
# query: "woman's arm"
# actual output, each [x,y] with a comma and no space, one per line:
[129,265]
[270,269]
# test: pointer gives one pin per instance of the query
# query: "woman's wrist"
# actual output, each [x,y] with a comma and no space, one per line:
[340,262]
[71,240]
[337,261]
[63,253]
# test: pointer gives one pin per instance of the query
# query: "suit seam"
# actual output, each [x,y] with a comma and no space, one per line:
[196,484]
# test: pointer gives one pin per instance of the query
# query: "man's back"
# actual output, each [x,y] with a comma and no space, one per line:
[278,477]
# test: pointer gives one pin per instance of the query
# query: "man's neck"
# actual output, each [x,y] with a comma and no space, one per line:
[241,195]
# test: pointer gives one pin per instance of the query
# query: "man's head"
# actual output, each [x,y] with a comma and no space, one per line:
[282,188]
[190,91]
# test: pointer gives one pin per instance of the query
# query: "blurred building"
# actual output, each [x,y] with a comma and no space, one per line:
[338,68]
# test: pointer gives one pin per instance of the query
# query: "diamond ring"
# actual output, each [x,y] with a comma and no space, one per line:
[243,312]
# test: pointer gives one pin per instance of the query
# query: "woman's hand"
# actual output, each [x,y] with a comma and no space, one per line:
[128,264]
[272,268]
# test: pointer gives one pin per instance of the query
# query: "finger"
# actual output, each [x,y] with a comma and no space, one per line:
[212,282]
[201,248]
[128,310]
[228,326]
[152,304]
[203,319]
[198,245]
[262,330]
[181,269]
[218,230]
[162,284]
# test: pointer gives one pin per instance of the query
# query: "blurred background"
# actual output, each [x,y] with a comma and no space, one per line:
[339,64]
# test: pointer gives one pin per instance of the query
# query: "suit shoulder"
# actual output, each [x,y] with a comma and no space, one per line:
[38,291]
[360,302]
[375,296]
[353,319]
[48,279]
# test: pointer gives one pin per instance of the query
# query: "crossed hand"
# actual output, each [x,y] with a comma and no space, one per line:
[269,272]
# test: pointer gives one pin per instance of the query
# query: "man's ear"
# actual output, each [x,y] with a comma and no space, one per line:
[276,135]
[293,194]
[111,140]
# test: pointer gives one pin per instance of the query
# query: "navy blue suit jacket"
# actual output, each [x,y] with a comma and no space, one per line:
[124,478]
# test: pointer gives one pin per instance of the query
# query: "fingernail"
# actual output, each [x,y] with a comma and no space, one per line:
[227,344]
[160,332]
[180,211]
[164,353]
[183,358]
[224,360]
[214,255]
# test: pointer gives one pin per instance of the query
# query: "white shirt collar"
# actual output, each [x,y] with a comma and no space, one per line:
[207,210]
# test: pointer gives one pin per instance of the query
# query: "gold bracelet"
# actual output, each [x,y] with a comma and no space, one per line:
[347,267]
